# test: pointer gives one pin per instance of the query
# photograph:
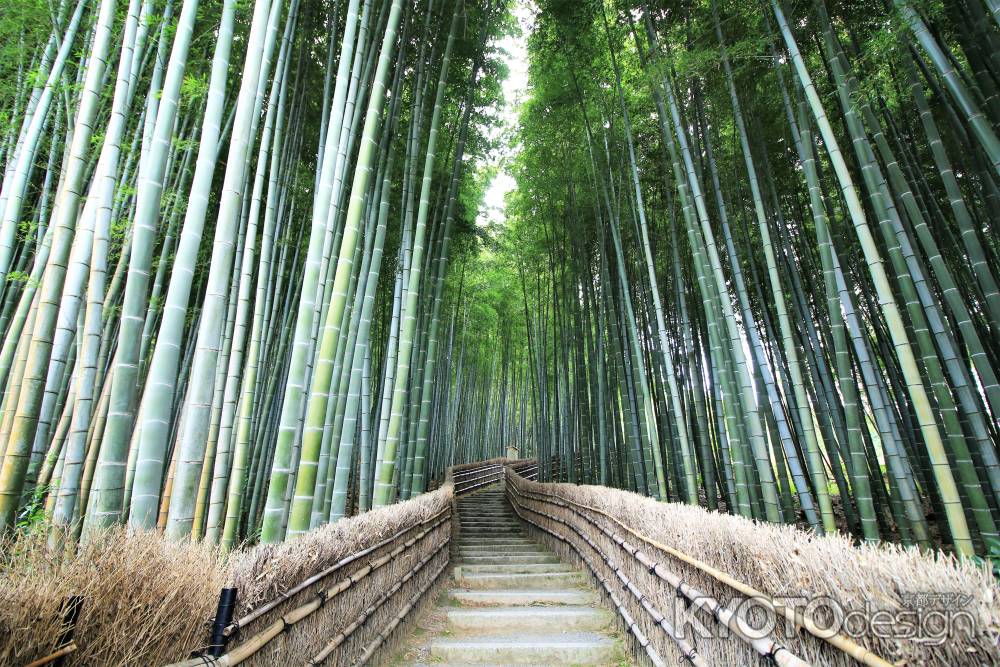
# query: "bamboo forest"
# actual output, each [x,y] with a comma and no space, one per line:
[257,274]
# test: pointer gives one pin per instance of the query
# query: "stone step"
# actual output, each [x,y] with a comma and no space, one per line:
[485,511]
[549,620]
[506,559]
[490,534]
[571,648]
[488,545]
[507,548]
[496,538]
[461,664]
[522,596]
[479,510]
[511,568]
[537,580]
[503,551]
[499,545]
[492,539]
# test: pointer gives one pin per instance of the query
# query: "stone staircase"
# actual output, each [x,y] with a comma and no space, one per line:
[513,601]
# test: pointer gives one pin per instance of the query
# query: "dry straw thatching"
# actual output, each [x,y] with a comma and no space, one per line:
[148,601]
[268,570]
[145,599]
[780,561]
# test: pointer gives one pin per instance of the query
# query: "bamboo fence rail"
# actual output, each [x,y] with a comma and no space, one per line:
[766,648]
[284,623]
[471,476]
[248,618]
[383,634]
[55,655]
[584,527]
[436,530]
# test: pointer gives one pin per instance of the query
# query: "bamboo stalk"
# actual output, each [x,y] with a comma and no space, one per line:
[839,641]
[766,648]
[258,641]
[287,595]
[55,655]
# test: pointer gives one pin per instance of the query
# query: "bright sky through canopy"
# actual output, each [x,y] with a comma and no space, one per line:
[514,89]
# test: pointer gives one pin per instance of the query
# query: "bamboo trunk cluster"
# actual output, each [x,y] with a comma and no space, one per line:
[757,262]
[210,273]
[750,262]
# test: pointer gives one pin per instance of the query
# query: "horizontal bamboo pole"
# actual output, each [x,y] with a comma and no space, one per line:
[462,468]
[388,630]
[465,482]
[466,489]
[347,560]
[342,636]
[55,655]
[461,474]
[265,636]
[841,642]
[767,648]
[686,649]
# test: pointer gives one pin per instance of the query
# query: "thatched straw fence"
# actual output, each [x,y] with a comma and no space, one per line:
[339,595]
[708,588]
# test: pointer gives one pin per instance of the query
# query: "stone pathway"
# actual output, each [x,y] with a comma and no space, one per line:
[513,601]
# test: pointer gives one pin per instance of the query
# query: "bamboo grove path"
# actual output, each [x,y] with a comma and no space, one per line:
[512,601]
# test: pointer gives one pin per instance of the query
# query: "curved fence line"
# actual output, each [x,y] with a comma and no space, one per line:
[766,648]
[336,595]
[248,618]
[551,509]
[422,545]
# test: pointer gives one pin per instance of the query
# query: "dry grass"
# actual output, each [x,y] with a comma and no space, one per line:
[145,599]
[261,573]
[787,561]
[149,601]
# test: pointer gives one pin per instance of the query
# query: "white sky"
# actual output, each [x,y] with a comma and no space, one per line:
[514,90]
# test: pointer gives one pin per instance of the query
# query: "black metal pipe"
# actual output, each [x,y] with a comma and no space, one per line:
[70,614]
[223,616]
